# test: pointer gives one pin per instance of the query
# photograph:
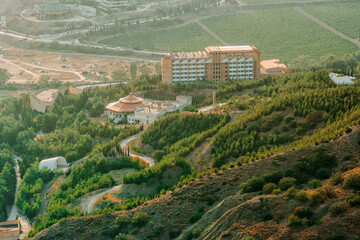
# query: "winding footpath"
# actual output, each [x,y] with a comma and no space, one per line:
[124,144]
[24,221]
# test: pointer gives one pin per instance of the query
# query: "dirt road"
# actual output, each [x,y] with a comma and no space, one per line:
[214,35]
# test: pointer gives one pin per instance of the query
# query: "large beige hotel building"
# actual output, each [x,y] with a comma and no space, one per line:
[213,64]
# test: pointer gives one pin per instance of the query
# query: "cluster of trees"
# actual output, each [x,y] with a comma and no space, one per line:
[7,180]
[170,129]
[29,194]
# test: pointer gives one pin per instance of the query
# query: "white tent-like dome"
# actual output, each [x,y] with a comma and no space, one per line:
[53,163]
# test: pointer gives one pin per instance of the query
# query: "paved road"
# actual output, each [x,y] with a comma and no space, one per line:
[93,199]
[24,221]
[323,24]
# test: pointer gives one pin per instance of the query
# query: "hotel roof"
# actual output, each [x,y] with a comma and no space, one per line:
[231,49]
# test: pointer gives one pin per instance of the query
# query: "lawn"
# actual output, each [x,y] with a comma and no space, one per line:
[344,17]
[282,33]
[186,38]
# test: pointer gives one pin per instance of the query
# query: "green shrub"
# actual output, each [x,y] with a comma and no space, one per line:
[336,178]
[303,212]
[122,220]
[315,183]
[315,198]
[252,185]
[328,191]
[134,231]
[301,196]
[273,177]
[121,236]
[276,191]
[352,182]
[294,221]
[353,199]
[196,217]
[286,183]
[289,119]
[158,155]
[322,173]
[338,208]
[269,188]
[140,219]
[291,192]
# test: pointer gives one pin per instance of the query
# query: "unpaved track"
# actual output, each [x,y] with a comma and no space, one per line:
[214,35]
[323,24]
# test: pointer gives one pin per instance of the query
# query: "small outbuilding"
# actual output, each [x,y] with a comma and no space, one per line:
[53,164]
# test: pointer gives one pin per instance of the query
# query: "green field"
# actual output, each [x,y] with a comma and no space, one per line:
[187,38]
[343,17]
[282,33]
[273,1]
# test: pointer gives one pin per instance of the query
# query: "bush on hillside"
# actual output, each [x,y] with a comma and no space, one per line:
[336,178]
[286,182]
[140,219]
[353,199]
[301,196]
[315,183]
[269,188]
[273,177]
[339,208]
[252,185]
[315,198]
[294,221]
[352,182]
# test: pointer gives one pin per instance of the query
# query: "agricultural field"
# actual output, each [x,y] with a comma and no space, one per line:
[186,38]
[344,17]
[281,33]
[274,1]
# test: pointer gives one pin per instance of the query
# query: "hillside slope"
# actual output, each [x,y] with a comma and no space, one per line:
[225,214]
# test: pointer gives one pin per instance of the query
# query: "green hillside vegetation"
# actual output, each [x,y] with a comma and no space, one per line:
[266,29]
[186,38]
[348,13]
[174,127]
[287,118]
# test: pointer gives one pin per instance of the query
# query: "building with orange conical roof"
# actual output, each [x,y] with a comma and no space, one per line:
[126,105]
